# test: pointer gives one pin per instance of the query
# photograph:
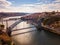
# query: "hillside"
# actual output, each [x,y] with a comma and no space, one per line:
[11,14]
[41,15]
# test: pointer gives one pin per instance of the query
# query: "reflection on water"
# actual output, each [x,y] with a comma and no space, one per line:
[35,37]
[30,36]
[24,38]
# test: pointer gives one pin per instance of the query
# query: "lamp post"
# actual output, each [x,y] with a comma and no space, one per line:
[6,24]
[1,19]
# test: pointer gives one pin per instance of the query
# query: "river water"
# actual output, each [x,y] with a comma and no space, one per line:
[31,36]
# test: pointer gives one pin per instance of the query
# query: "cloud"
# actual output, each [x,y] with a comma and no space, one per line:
[4,3]
[57,0]
[36,7]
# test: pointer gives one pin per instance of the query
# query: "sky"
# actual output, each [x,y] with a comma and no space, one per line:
[29,6]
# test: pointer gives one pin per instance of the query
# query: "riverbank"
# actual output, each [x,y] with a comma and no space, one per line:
[52,24]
